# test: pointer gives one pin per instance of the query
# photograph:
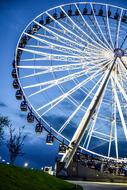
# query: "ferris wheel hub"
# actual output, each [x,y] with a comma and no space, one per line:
[118,52]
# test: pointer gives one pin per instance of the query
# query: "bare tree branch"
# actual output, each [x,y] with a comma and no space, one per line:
[4,122]
[15,143]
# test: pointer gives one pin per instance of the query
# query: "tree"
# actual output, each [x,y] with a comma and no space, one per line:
[4,122]
[15,143]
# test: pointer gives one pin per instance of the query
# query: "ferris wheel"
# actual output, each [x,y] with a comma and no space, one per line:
[70,71]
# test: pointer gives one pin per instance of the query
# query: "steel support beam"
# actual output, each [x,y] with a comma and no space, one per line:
[74,143]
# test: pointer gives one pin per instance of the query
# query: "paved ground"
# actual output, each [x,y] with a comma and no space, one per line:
[100,185]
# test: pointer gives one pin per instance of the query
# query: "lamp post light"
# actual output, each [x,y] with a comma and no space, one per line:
[26,164]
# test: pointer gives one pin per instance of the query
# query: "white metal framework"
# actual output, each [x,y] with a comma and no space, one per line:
[72,70]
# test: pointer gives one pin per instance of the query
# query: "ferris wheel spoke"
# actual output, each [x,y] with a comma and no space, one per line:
[109,46]
[79,107]
[92,40]
[96,28]
[96,62]
[50,86]
[102,134]
[66,95]
[103,45]
[67,46]
[120,110]
[72,90]
[121,80]
[120,87]
[68,59]
[123,42]
[67,30]
[65,78]
[60,37]
[53,46]
[70,32]
[124,64]
[118,30]
[109,30]
[94,120]
[92,47]
[69,51]
[45,58]
[50,69]
[52,56]
[96,50]
[61,98]
[123,76]
[72,101]
[57,81]
[105,30]
[63,32]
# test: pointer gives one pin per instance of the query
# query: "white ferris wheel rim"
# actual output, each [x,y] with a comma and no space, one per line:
[56,132]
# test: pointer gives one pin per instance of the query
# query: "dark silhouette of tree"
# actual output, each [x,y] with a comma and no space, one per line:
[4,122]
[15,143]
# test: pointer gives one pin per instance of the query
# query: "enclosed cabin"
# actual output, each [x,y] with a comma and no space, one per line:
[14,74]
[49,139]
[77,12]
[109,13]
[13,63]
[39,128]
[116,16]
[35,28]
[24,40]
[48,20]
[85,11]
[100,13]
[21,44]
[41,21]
[62,148]
[30,117]
[62,15]
[23,106]
[15,84]
[69,12]
[93,11]
[55,16]
[19,94]
[124,18]
[30,31]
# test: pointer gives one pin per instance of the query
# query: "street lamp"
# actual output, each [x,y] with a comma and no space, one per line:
[26,164]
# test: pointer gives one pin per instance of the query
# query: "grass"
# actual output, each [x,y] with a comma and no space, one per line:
[16,178]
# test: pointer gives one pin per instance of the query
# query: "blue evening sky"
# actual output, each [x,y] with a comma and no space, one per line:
[14,16]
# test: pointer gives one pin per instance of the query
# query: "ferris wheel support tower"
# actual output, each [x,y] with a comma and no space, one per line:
[76,139]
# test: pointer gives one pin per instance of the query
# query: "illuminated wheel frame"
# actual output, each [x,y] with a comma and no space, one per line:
[61,60]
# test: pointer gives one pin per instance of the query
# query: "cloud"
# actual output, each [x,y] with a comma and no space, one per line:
[21,115]
[2,104]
